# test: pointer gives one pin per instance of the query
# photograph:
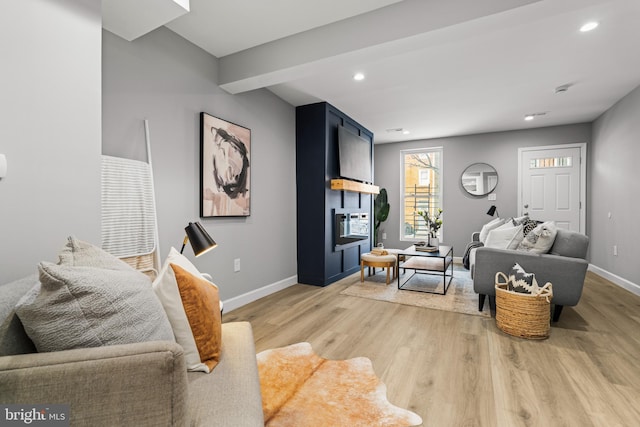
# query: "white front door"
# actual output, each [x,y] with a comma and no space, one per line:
[552,185]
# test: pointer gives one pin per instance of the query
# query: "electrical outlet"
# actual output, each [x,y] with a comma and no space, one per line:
[236,265]
[384,236]
[615,250]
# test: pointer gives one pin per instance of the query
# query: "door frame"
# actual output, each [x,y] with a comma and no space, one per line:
[583,176]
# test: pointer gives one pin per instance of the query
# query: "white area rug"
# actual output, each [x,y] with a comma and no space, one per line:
[460,297]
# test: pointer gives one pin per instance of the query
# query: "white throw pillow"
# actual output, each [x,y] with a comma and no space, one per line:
[495,223]
[540,239]
[507,224]
[504,237]
[519,220]
[166,288]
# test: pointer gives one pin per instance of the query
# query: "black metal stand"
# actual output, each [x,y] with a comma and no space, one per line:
[445,254]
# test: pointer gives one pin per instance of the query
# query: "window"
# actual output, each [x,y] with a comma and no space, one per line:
[551,162]
[421,190]
[424,177]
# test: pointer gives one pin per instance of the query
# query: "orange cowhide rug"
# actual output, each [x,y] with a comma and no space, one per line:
[301,389]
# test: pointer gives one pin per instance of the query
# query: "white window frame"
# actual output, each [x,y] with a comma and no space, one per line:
[440,199]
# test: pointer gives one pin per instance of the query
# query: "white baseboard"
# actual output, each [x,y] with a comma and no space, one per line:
[623,283]
[237,302]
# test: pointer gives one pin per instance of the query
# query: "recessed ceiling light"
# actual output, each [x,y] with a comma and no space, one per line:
[532,116]
[589,26]
[358,76]
[405,132]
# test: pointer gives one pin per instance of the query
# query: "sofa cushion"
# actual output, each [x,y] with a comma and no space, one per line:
[83,254]
[166,288]
[234,384]
[570,243]
[79,307]
[494,223]
[540,239]
[519,220]
[504,237]
[13,338]
[202,306]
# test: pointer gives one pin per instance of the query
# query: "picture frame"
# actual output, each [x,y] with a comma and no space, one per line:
[225,175]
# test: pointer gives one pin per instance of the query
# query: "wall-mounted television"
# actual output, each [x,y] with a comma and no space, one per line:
[354,156]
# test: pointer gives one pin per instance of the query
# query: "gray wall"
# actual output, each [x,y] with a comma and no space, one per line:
[464,214]
[50,129]
[169,81]
[614,188]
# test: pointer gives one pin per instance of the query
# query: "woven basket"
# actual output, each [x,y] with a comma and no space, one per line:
[523,315]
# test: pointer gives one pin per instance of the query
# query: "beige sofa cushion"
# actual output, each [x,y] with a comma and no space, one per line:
[234,384]
[79,307]
[83,254]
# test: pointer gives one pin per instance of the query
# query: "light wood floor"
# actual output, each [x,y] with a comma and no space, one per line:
[460,370]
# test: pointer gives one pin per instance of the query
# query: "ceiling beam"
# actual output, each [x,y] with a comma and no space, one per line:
[395,28]
[132,19]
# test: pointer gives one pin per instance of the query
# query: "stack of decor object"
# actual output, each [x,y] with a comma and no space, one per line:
[379,251]
[423,247]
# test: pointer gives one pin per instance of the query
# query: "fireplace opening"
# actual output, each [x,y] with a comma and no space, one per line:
[351,227]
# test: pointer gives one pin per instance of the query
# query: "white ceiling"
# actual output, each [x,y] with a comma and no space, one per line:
[434,67]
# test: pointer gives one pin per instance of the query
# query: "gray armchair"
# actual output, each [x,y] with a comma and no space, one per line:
[564,266]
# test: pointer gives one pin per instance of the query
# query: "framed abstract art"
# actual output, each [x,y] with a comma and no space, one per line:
[225,153]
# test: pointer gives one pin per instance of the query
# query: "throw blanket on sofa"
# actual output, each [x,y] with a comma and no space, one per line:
[465,258]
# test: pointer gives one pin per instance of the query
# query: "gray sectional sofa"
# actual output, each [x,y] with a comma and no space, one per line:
[140,384]
[564,266]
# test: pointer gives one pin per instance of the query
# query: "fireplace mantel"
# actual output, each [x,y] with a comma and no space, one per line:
[355,186]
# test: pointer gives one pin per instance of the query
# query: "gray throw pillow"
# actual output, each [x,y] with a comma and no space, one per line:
[79,307]
[78,253]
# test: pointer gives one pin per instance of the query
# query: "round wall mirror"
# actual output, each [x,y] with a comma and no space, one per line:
[479,179]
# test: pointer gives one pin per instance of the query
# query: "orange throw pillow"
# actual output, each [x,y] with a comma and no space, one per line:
[201,304]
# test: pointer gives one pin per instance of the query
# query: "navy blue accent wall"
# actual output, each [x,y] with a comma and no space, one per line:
[320,262]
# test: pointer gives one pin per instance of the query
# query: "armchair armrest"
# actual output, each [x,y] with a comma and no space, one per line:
[130,384]
[565,273]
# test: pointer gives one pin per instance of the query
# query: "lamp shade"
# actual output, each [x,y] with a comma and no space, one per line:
[492,210]
[200,240]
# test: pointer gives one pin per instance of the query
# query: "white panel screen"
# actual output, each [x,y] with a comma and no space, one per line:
[563,192]
[537,192]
